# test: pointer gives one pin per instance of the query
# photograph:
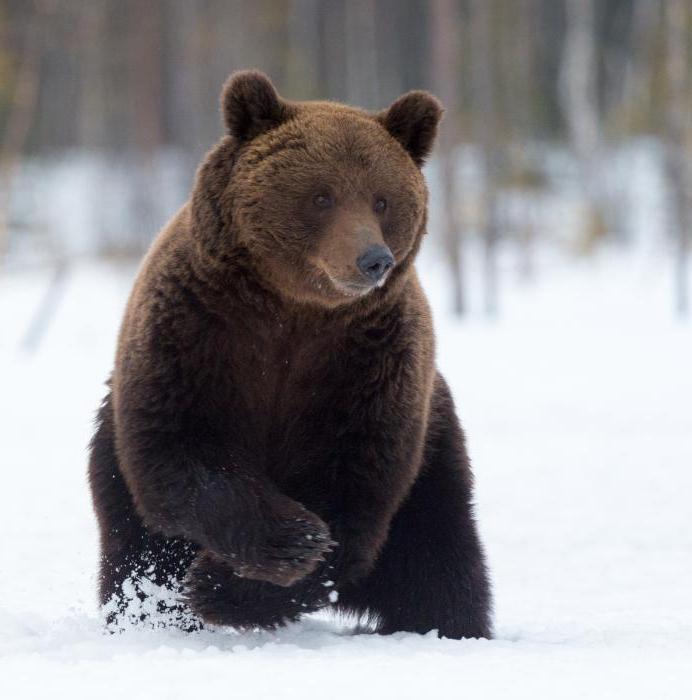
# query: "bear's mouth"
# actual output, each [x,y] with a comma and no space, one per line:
[352,289]
[349,287]
[356,289]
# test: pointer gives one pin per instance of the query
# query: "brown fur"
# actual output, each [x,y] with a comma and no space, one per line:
[276,421]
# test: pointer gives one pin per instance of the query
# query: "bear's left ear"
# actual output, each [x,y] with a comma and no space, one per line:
[251,105]
[412,120]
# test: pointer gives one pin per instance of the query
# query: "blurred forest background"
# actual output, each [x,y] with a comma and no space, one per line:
[568,127]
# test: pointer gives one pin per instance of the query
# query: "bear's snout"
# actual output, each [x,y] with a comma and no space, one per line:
[375,263]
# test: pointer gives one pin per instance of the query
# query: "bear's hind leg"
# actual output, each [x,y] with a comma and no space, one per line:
[431,572]
[140,573]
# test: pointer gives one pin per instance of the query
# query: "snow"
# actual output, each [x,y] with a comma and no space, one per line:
[579,418]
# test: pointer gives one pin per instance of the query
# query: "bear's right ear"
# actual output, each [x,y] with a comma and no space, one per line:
[251,105]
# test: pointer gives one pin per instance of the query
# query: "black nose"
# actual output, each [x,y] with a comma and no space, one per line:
[375,262]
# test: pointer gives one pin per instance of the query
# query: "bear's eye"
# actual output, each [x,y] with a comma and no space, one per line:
[380,206]
[323,201]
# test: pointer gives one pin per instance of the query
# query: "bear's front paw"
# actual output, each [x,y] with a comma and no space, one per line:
[292,546]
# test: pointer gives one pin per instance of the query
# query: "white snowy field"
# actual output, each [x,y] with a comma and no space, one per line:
[578,411]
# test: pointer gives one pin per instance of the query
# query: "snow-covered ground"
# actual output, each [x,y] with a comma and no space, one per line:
[578,409]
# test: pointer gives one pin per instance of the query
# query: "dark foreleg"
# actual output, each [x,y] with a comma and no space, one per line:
[134,563]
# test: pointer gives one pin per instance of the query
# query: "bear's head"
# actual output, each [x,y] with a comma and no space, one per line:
[327,200]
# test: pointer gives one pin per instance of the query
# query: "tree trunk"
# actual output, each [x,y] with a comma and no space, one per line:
[520,69]
[147,79]
[680,182]
[484,92]
[302,69]
[361,53]
[20,119]
[444,62]
[580,109]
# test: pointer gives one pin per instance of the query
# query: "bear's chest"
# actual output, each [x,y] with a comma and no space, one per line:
[282,385]
[280,376]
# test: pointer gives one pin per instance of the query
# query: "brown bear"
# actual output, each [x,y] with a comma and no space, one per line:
[276,438]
